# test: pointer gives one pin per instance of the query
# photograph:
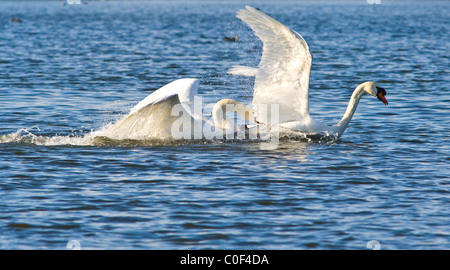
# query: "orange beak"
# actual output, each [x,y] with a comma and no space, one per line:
[383,99]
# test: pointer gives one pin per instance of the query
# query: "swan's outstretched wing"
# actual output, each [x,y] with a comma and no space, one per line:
[283,73]
[185,89]
[152,117]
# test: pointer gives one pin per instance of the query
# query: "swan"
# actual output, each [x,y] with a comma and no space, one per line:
[282,77]
[174,111]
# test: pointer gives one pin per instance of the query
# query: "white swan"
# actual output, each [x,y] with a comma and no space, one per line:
[282,77]
[175,112]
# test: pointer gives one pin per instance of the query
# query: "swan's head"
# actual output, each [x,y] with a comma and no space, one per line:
[229,105]
[373,89]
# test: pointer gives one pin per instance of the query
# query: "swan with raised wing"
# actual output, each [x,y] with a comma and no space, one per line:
[174,111]
[282,77]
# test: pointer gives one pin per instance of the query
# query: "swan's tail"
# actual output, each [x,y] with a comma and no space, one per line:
[243,70]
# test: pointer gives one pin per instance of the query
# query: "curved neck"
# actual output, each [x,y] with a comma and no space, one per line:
[351,108]
[229,105]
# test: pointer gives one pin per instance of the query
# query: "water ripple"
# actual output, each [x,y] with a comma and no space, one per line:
[68,71]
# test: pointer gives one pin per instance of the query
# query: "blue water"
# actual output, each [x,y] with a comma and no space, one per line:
[66,71]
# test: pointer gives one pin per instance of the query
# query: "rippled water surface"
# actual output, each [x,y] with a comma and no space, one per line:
[66,71]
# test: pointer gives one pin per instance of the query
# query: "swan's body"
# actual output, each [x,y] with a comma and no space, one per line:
[282,78]
[175,112]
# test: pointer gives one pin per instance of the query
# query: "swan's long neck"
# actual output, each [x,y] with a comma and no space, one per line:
[351,108]
[229,105]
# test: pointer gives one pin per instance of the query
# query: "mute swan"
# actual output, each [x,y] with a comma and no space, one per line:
[175,112]
[282,77]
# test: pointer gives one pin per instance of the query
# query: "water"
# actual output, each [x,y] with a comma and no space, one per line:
[67,71]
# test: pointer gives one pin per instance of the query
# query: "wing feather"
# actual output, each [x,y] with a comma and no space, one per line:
[283,72]
[152,117]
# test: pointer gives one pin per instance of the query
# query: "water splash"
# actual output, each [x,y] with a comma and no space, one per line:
[100,137]
[30,136]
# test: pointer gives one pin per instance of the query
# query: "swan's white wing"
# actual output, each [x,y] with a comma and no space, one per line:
[283,73]
[185,89]
[152,117]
